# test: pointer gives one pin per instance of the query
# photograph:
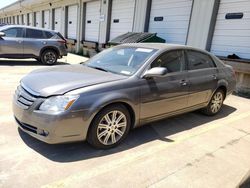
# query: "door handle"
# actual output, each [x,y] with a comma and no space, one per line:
[19,41]
[214,77]
[183,82]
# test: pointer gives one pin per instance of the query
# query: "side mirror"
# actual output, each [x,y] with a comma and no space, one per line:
[2,34]
[155,72]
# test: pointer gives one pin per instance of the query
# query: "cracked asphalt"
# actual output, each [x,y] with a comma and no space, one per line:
[190,150]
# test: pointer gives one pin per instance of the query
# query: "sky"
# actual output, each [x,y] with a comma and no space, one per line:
[4,3]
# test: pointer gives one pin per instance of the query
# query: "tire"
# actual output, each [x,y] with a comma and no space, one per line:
[49,57]
[104,132]
[215,103]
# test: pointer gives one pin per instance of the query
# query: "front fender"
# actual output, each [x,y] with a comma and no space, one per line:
[112,98]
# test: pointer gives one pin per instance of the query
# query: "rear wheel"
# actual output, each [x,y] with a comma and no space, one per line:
[110,127]
[49,57]
[215,103]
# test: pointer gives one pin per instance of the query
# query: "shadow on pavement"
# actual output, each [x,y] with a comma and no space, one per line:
[245,183]
[22,62]
[156,131]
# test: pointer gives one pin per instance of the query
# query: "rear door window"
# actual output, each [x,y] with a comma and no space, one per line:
[198,60]
[48,34]
[34,34]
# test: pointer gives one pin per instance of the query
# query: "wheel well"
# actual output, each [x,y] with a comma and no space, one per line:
[224,89]
[49,48]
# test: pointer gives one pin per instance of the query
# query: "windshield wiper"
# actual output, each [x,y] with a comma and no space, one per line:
[99,68]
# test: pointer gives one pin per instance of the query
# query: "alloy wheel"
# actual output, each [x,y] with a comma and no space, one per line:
[216,102]
[112,127]
[50,57]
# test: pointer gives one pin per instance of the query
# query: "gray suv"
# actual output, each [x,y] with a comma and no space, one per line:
[44,45]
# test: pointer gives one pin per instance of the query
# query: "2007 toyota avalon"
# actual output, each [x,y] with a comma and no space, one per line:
[119,89]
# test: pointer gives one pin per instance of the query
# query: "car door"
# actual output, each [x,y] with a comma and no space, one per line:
[33,41]
[11,45]
[202,76]
[167,94]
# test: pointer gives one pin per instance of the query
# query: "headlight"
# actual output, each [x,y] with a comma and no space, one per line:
[58,103]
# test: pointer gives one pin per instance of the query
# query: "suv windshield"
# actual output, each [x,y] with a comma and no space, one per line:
[126,60]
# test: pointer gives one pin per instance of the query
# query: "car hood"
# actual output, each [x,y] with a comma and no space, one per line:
[61,79]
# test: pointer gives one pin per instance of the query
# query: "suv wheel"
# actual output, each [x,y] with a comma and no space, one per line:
[215,103]
[109,127]
[49,57]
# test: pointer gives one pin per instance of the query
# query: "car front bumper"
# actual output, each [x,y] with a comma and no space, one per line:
[51,128]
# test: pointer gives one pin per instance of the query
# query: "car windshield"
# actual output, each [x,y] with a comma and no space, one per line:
[125,61]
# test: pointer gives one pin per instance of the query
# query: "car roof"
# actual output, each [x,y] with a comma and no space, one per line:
[162,46]
[25,26]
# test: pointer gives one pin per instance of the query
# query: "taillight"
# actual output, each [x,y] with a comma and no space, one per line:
[62,41]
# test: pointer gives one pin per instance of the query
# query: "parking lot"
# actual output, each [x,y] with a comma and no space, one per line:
[190,150]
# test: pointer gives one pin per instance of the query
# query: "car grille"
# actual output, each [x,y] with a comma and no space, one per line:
[24,98]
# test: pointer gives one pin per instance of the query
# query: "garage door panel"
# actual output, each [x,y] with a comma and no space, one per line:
[229,40]
[241,5]
[231,1]
[170,25]
[230,51]
[57,19]
[222,16]
[232,48]
[72,21]
[24,19]
[30,19]
[46,23]
[232,35]
[122,16]
[92,21]
[20,19]
[176,15]
[38,19]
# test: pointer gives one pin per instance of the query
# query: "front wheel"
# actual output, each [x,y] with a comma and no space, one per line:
[49,57]
[215,103]
[110,127]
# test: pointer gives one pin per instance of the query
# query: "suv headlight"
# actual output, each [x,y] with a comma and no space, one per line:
[58,103]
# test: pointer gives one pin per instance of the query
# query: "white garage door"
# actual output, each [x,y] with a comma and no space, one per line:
[57,19]
[30,19]
[72,22]
[122,16]
[20,19]
[38,19]
[232,36]
[170,19]
[46,23]
[92,21]
[24,19]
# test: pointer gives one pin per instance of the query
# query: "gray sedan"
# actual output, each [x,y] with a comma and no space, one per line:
[120,89]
